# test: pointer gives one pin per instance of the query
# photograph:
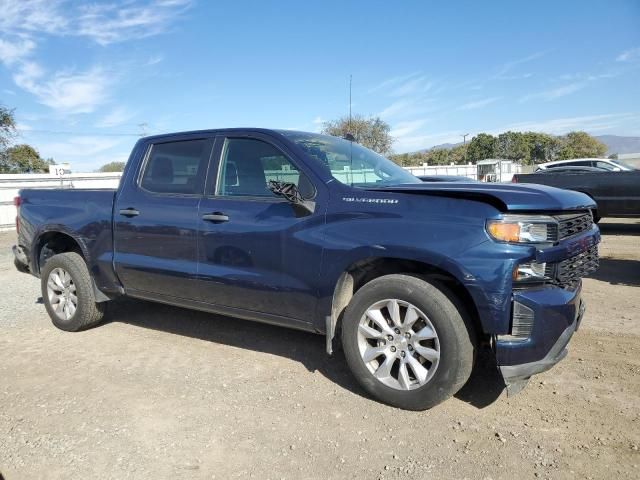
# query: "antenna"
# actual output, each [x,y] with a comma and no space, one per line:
[143,129]
[350,78]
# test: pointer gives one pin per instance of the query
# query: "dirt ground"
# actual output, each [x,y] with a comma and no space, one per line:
[160,392]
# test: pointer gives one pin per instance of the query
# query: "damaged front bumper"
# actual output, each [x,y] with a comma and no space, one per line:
[556,315]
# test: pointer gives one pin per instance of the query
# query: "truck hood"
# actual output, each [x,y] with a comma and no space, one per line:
[504,196]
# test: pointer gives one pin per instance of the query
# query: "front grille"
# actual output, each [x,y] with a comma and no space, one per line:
[569,272]
[570,225]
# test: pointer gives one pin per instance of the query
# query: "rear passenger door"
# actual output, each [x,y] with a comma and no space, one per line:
[256,252]
[156,219]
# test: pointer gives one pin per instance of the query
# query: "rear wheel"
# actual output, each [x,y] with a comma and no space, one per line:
[68,294]
[406,341]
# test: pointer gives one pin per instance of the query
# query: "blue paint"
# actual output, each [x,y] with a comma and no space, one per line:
[270,262]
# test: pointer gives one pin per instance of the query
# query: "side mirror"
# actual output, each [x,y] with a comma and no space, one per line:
[292,194]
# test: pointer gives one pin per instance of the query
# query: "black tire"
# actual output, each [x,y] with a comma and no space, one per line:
[455,334]
[88,313]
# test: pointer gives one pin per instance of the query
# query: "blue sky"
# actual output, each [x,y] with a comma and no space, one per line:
[84,76]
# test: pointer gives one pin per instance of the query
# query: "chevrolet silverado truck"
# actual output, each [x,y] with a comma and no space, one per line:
[318,233]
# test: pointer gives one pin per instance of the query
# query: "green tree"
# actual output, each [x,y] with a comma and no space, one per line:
[481,147]
[112,167]
[542,147]
[369,132]
[7,127]
[581,145]
[24,158]
[512,146]
[7,132]
[438,156]
[458,154]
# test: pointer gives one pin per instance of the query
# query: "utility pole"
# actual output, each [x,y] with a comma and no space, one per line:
[464,138]
[143,129]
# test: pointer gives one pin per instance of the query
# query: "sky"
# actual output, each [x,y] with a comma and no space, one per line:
[87,79]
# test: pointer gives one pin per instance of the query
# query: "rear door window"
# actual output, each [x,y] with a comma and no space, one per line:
[176,167]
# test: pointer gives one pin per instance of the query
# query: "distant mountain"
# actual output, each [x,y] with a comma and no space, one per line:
[438,147]
[618,144]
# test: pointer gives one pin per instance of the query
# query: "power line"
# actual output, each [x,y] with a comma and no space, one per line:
[80,134]
[85,134]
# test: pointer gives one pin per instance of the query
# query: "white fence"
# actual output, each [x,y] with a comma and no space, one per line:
[457,170]
[11,183]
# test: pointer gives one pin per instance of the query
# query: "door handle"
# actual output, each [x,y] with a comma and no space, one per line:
[216,217]
[129,212]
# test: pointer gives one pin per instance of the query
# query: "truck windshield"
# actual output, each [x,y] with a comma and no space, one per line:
[350,163]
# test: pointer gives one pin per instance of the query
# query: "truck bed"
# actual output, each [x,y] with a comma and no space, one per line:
[84,214]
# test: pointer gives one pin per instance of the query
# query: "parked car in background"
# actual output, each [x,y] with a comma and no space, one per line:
[572,169]
[602,163]
[617,194]
[270,226]
[445,178]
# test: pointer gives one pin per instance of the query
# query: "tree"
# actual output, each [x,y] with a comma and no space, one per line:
[542,146]
[512,146]
[7,132]
[581,145]
[369,132]
[112,167]
[24,158]
[7,126]
[438,156]
[458,154]
[481,147]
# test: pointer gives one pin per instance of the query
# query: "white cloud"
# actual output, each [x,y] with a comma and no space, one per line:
[104,22]
[478,103]
[66,92]
[154,60]
[404,129]
[121,21]
[391,82]
[11,52]
[411,87]
[397,107]
[554,93]
[509,66]
[26,16]
[629,55]
[23,23]
[116,117]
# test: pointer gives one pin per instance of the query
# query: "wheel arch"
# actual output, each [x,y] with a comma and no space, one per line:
[359,273]
[52,241]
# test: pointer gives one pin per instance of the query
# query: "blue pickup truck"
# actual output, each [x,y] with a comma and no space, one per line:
[321,234]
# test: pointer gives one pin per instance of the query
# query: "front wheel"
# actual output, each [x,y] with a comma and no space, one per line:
[68,294]
[407,342]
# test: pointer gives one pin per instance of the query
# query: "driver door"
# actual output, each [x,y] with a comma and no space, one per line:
[256,252]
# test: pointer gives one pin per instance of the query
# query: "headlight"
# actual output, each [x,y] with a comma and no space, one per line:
[522,228]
